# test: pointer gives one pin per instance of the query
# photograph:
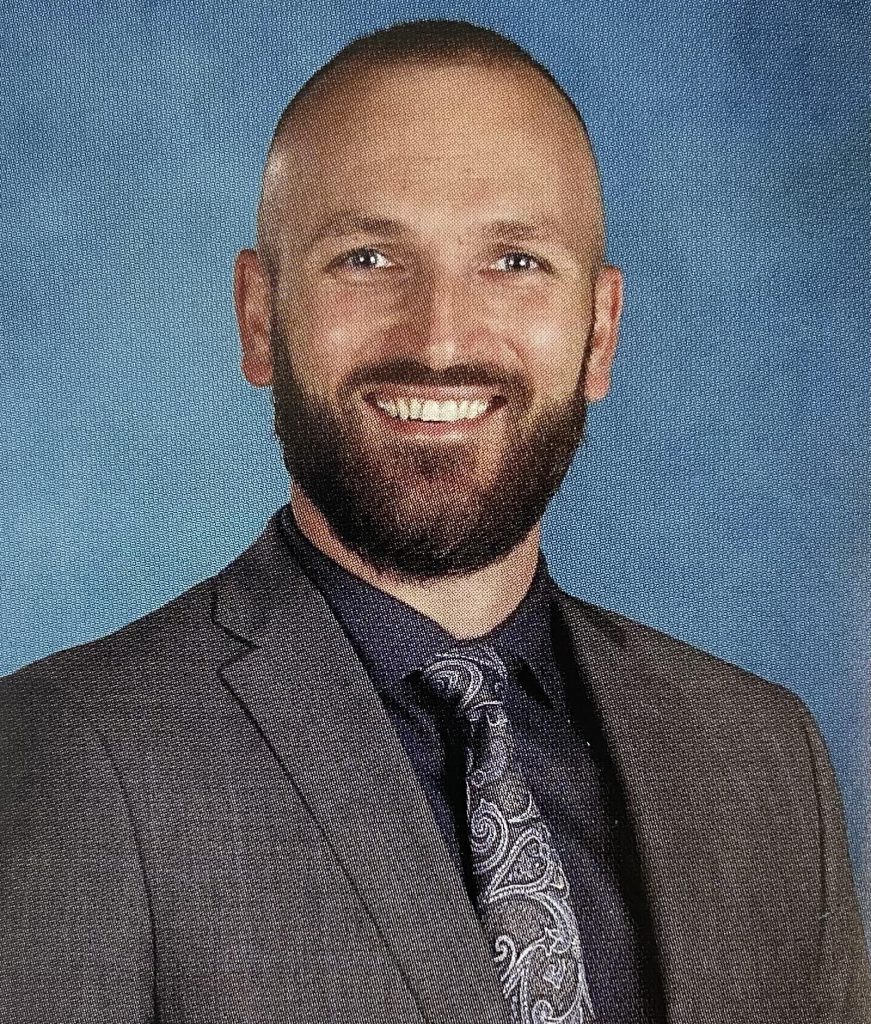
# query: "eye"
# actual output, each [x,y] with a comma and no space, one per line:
[365,259]
[517,261]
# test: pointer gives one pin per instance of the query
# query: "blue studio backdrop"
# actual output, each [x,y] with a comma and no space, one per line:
[723,493]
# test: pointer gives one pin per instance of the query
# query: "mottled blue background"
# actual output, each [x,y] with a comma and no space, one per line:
[724,491]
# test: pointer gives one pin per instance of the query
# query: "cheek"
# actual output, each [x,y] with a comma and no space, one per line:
[333,331]
[549,337]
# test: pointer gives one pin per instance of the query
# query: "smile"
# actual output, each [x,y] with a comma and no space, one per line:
[431,410]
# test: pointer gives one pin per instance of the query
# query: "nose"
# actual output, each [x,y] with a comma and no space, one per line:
[442,328]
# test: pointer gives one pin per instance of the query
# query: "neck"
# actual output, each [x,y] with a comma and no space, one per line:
[466,606]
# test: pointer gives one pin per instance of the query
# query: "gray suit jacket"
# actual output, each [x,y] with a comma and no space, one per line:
[207,817]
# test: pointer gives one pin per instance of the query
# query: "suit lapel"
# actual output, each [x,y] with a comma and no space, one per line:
[316,707]
[680,806]
[639,736]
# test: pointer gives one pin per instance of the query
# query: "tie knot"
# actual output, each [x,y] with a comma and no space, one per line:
[467,678]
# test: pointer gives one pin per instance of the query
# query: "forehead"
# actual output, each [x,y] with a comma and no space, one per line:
[469,141]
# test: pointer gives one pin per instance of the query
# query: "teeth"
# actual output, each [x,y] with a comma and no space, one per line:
[431,411]
[388,406]
[450,411]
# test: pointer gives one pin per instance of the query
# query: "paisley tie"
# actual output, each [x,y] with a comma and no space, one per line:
[521,891]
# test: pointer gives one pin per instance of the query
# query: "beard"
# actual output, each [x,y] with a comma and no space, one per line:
[413,508]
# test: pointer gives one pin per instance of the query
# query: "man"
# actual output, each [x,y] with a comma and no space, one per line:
[381,768]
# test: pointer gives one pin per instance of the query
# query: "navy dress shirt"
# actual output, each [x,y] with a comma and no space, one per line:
[559,748]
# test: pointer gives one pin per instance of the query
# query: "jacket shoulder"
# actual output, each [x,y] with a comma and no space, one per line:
[170,657]
[700,675]
[156,652]
[185,619]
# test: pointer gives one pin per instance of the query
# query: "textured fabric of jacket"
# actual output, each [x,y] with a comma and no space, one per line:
[191,828]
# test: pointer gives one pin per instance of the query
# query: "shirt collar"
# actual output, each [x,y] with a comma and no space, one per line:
[392,639]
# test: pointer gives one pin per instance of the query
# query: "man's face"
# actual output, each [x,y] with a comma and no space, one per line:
[432,310]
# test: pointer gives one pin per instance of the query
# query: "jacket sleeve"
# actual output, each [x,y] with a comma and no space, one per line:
[844,967]
[75,935]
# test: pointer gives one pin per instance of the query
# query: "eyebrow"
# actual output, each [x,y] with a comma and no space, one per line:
[350,222]
[548,229]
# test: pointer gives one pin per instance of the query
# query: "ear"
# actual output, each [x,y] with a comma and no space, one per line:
[252,294]
[607,306]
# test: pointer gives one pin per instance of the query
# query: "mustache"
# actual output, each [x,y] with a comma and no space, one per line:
[413,373]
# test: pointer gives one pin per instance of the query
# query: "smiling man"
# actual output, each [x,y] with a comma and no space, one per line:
[381,768]
[430,300]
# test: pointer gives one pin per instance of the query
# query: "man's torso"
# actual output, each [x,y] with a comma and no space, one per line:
[205,827]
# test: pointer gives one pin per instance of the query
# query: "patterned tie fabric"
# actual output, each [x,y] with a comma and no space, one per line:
[522,894]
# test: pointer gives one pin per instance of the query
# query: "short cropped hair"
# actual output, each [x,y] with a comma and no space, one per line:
[425,42]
